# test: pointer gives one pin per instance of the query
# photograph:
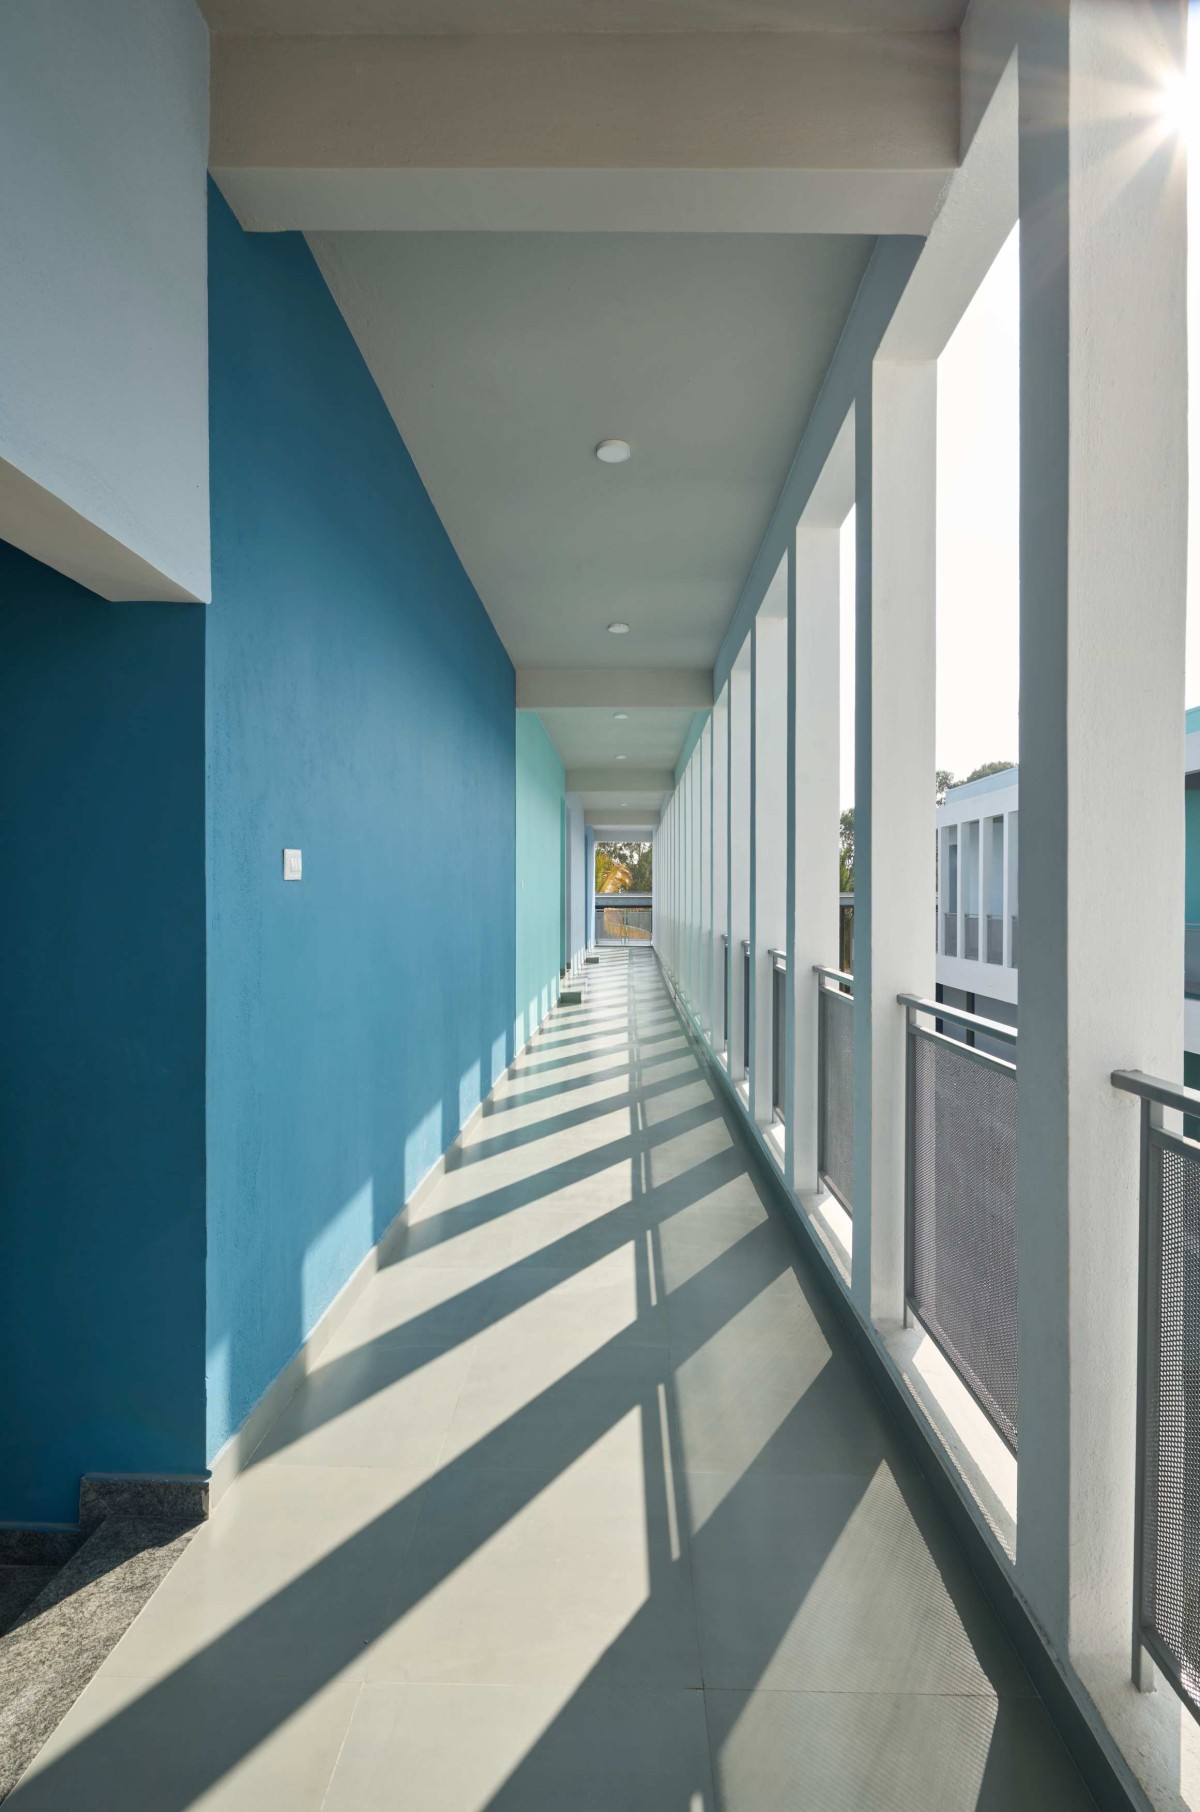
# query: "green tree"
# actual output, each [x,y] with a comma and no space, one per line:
[637,858]
[846,851]
[988,767]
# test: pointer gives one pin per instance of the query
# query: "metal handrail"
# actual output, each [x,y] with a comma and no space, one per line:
[991,1028]
[778,959]
[834,975]
[1158,1090]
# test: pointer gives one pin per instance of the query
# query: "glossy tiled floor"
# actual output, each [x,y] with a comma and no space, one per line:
[587,1507]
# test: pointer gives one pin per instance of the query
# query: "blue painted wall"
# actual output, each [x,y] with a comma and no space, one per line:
[102,1055]
[360,707]
[541,797]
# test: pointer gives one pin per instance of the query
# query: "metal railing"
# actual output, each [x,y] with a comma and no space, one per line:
[1166,1560]
[960,1200]
[835,1081]
[746,1006]
[994,935]
[778,1031]
[624,918]
[971,936]
[725,991]
[1012,943]
[950,934]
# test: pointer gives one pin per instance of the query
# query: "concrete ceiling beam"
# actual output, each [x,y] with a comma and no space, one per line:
[616,688]
[816,131]
[612,779]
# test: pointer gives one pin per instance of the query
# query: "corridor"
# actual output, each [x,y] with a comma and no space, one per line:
[586,1506]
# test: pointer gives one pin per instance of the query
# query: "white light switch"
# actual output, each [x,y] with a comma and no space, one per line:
[291,865]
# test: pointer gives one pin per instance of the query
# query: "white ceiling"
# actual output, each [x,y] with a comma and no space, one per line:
[504,358]
[452,17]
[588,738]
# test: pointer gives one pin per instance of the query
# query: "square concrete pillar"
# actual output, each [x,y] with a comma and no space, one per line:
[718,992]
[739,857]
[812,870]
[895,675]
[1103,571]
[768,831]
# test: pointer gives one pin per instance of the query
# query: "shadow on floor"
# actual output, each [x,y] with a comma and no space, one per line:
[613,1519]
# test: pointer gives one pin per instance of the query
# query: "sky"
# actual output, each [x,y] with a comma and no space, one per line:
[978,479]
[978,505]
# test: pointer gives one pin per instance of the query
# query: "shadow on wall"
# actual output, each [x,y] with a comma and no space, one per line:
[359,707]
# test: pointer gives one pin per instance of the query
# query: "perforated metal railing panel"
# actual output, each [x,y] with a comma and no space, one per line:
[1171,1513]
[962,1257]
[836,1132]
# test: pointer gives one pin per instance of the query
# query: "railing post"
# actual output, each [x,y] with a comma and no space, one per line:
[1142,1667]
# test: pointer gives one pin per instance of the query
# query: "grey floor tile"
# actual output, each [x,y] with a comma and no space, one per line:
[838,1583]
[198,1740]
[846,1752]
[609,1301]
[535,1578]
[374,1405]
[524,1749]
[424,1305]
[288,1584]
[803,1410]
[534,1406]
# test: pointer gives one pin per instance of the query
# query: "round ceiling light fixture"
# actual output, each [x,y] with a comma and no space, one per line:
[620,757]
[620,716]
[618,629]
[613,452]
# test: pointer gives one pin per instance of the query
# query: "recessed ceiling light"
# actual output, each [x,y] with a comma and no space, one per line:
[620,758]
[620,716]
[624,802]
[613,452]
[618,629]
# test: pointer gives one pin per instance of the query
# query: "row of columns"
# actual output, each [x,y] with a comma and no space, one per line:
[749,841]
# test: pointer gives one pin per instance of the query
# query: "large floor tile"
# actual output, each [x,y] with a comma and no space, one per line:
[749,1408]
[609,1301]
[380,1404]
[424,1305]
[538,1407]
[536,1578]
[199,1740]
[273,1590]
[845,1752]
[835,1583]
[524,1749]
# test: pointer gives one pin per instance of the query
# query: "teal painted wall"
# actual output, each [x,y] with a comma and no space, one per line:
[360,707]
[1191,897]
[102,1058]
[541,786]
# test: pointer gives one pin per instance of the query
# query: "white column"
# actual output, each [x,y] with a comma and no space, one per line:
[1103,557]
[813,817]
[894,951]
[720,865]
[704,976]
[768,831]
[739,855]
